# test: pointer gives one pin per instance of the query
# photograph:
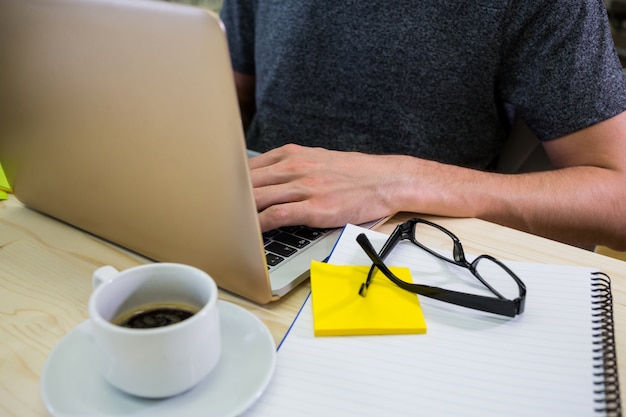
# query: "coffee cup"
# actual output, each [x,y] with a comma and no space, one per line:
[156,327]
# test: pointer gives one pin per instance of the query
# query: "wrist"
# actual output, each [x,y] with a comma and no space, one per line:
[426,186]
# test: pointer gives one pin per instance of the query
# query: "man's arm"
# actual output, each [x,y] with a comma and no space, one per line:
[581,202]
[584,198]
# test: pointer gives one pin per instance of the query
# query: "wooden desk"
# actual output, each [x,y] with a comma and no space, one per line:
[45,282]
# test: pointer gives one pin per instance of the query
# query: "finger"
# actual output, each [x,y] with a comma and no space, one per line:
[263,160]
[271,195]
[269,175]
[273,156]
[279,215]
[283,171]
[287,189]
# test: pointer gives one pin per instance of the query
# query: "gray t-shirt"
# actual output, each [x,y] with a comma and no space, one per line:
[428,78]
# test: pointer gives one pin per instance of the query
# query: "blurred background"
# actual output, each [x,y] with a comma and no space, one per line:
[617,17]
[214,5]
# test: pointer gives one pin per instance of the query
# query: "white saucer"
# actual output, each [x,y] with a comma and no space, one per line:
[72,386]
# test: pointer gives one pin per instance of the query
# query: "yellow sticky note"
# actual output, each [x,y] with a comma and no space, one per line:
[339,310]
[4,182]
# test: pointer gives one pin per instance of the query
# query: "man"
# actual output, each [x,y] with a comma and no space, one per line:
[404,107]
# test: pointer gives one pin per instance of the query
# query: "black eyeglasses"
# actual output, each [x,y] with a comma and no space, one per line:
[488,270]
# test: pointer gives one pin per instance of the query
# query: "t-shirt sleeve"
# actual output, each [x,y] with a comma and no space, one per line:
[559,68]
[238,19]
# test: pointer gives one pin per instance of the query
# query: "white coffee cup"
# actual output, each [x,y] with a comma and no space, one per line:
[162,361]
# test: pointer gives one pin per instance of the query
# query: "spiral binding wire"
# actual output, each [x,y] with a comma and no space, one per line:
[604,353]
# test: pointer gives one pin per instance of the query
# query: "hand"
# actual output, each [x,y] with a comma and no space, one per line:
[320,188]
[580,202]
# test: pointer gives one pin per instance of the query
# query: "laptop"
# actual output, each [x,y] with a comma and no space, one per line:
[120,117]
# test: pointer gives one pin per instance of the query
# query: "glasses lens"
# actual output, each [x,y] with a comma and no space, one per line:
[497,277]
[434,239]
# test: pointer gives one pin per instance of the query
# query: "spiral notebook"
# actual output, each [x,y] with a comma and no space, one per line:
[556,359]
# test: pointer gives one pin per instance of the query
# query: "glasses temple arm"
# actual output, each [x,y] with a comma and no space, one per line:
[504,307]
[388,246]
[507,308]
[390,243]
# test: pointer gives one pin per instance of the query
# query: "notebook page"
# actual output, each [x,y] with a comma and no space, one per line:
[469,363]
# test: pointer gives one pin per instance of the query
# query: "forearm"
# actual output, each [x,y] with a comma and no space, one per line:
[580,205]
[581,202]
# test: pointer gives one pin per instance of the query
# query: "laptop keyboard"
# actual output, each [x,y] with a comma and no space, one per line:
[285,242]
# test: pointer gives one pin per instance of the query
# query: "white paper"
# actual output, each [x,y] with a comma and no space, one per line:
[468,363]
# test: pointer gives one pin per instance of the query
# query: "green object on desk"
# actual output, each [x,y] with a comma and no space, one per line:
[339,310]
[4,185]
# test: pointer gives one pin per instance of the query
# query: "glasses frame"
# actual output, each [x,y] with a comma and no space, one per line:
[406,231]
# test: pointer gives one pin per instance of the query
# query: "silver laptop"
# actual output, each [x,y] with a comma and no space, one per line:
[120,117]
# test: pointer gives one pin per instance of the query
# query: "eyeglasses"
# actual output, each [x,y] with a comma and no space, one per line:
[489,271]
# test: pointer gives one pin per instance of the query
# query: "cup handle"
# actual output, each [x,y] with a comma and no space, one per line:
[103,274]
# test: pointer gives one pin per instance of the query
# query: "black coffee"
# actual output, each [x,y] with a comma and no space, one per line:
[148,317]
